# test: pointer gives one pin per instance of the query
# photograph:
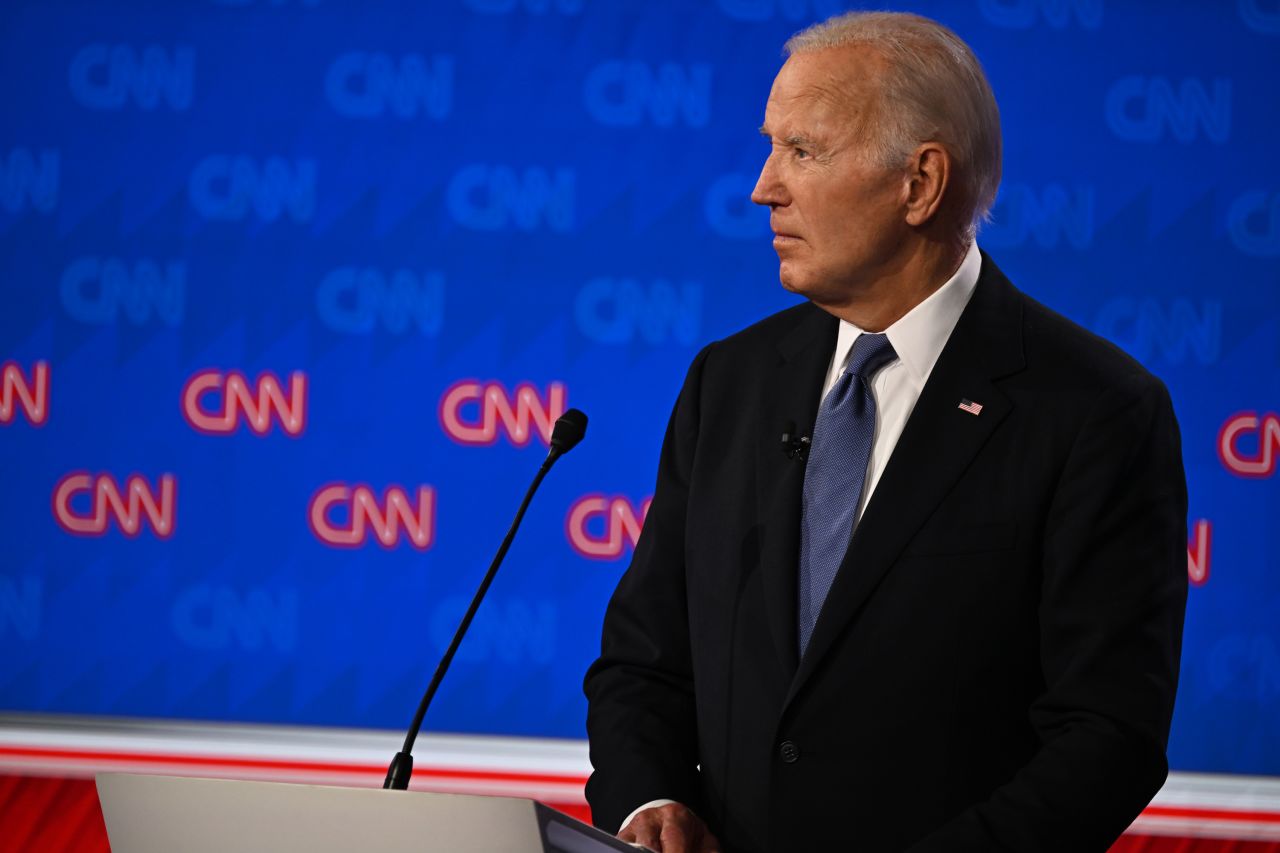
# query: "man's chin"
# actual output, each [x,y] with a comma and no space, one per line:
[790,281]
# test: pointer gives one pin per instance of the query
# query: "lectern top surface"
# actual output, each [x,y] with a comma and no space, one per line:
[162,814]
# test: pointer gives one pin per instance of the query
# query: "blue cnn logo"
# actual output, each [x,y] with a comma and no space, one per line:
[236,188]
[29,179]
[1144,109]
[1258,19]
[1176,331]
[369,85]
[1058,14]
[624,94]
[533,7]
[356,301]
[108,76]
[1254,223]
[211,617]
[790,10]
[1052,217]
[618,311]
[99,291]
[729,210]
[494,198]
[21,606]
[506,630]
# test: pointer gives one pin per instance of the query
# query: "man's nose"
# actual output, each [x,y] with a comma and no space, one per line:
[769,189]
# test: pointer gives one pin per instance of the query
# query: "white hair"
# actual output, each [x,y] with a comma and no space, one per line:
[933,90]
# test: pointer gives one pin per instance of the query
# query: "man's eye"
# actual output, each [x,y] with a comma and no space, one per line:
[801,154]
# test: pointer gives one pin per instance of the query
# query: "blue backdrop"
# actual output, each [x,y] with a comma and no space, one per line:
[291,288]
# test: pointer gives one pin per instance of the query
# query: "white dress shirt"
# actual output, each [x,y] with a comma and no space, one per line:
[918,338]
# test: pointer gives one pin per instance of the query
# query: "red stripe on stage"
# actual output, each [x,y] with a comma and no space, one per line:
[1211,814]
[284,764]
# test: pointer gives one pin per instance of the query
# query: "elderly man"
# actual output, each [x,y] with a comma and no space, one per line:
[944,613]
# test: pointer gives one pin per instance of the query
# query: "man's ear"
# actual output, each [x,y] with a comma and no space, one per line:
[928,179]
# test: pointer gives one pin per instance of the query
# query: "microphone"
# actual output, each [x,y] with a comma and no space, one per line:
[569,429]
[794,445]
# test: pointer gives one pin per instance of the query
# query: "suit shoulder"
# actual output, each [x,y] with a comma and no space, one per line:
[1080,357]
[764,335]
[773,327]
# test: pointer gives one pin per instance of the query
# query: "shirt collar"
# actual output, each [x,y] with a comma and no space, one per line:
[919,335]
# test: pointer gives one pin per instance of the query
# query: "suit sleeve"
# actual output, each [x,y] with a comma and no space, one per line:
[1113,596]
[640,713]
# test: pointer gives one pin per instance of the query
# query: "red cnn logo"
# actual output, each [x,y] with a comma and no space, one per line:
[600,528]
[1198,550]
[130,507]
[1265,430]
[472,411]
[257,405]
[32,396]
[364,512]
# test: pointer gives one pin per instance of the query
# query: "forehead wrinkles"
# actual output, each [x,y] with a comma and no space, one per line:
[825,109]
[835,87]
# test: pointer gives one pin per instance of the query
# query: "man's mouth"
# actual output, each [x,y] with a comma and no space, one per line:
[782,234]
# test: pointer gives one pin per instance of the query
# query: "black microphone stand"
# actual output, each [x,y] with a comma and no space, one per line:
[569,430]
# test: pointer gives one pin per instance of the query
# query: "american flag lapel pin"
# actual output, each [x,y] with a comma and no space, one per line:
[971,407]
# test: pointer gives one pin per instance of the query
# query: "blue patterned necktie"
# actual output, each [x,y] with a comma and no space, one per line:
[835,474]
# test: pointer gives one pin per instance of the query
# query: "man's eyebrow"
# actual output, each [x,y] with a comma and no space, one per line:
[793,139]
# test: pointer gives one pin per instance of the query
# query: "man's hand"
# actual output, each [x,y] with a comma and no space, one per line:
[670,829]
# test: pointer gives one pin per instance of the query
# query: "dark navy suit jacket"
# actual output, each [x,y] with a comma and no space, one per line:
[995,665]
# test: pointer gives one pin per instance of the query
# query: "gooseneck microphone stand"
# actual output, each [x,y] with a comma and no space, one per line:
[569,430]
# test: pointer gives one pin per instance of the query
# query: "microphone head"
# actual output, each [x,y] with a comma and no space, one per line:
[568,431]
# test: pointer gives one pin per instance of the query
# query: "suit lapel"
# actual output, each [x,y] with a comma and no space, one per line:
[937,444]
[791,393]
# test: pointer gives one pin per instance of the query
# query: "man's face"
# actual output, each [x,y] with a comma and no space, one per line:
[837,218]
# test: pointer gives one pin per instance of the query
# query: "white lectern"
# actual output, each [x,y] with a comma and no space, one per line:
[169,814]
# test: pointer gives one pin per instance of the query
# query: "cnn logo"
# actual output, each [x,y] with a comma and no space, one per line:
[602,528]
[217,402]
[86,505]
[1248,428]
[477,413]
[344,516]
